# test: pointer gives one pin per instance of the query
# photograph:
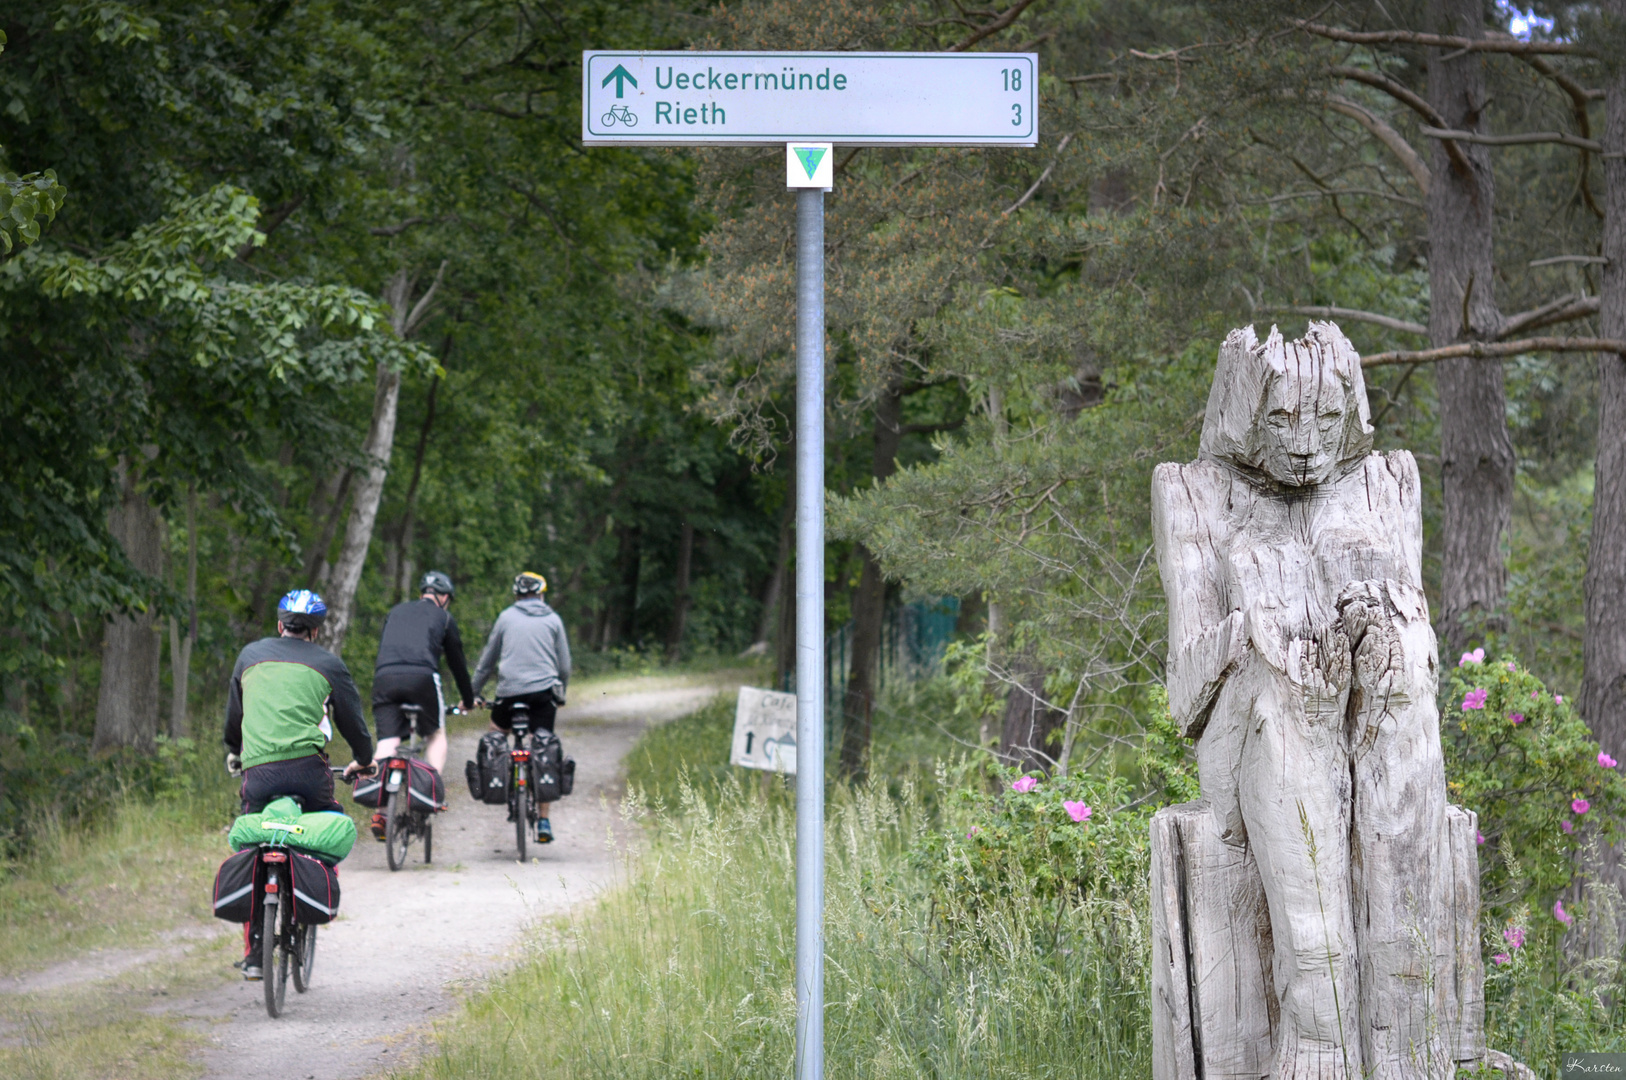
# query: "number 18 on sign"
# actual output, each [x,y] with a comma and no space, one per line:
[812,104]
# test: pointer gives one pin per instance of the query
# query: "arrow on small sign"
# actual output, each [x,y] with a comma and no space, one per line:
[810,156]
[621,76]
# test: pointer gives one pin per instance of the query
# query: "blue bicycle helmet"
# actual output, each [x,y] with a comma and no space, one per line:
[301,610]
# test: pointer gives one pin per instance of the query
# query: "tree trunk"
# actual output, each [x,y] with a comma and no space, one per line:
[358,534]
[405,317]
[869,603]
[328,501]
[403,536]
[1476,454]
[620,622]
[181,645]
[781,571]
[1029,721]
[127,701]
[1603,688]
[680,603]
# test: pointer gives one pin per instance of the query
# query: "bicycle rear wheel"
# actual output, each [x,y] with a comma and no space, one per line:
[397,830]
[428,840]
[304,956]
[273,961]
[519,803]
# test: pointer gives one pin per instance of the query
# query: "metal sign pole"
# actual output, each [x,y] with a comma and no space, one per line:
[809,634]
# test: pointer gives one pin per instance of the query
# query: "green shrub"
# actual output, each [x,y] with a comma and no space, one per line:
[1520,757]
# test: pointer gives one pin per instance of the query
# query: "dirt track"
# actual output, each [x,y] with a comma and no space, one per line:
[408,942]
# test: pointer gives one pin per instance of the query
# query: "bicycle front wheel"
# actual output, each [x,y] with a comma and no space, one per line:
[397,830]
[304,956]
[273,961]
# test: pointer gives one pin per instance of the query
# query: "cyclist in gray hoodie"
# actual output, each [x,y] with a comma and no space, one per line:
[530,654]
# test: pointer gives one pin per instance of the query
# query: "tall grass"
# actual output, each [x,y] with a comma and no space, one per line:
[688,970]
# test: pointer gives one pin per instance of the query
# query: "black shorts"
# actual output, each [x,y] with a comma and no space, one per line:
[306,779]
[394,687]
[541,704]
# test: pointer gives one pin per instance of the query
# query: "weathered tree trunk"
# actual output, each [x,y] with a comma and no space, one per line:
[127,702]
[405,316]
[404,535]
[680,602]
[1476,454]
[181,645]
[1603,688]
[1029,721]
[869,603]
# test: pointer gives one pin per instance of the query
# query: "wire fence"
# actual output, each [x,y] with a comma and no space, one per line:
[914,638]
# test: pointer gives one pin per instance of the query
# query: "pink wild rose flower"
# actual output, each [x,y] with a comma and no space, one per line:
[1501,958]
[1479,838]
[1580,806]
[1561,915]
[1077,811]
[1024,785]
[1558,699]
[1475,657]
[1474,699]
[1606,761]
[1517,718]
[1514,936]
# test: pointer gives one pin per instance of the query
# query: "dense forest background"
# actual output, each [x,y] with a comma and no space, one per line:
[328,293]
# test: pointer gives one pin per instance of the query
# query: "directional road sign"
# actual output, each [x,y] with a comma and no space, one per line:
[848,98]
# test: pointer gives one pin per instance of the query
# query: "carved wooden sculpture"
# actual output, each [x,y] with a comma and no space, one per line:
[1315,912]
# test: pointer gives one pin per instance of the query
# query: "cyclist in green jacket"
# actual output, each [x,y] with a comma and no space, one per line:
[287,693]
[286,696]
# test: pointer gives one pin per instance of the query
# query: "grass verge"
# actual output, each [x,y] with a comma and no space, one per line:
[687,971]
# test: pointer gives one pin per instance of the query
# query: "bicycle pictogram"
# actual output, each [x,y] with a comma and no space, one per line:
[621,113]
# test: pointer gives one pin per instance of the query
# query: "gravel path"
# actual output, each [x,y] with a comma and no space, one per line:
[407,943]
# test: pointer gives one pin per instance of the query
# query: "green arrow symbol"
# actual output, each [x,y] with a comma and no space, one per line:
[810,157]
[621,76]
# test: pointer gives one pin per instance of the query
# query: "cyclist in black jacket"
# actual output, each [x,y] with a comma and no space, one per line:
[416,635]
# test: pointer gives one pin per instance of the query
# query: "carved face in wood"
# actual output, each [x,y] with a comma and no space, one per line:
[1301,435]
[1293,414]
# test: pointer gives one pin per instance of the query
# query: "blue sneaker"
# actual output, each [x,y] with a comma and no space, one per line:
[544,832]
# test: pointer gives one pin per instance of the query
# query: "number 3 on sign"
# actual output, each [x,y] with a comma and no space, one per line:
[1016,116]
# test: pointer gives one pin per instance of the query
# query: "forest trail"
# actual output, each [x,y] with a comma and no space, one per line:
[407,944]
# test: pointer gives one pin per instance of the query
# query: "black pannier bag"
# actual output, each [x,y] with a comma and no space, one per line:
[234,886]
[494,764]
[369,790]
[316,888]
[424,785]
[471,773]
[426,788]
[547,766]
[567,776]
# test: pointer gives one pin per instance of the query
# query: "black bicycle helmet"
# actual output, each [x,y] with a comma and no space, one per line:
[530,584]
[436,582]
[301,610]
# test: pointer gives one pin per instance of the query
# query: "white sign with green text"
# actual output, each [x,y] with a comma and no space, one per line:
[849,98]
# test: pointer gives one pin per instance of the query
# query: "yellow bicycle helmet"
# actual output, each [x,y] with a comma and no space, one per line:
[530,583]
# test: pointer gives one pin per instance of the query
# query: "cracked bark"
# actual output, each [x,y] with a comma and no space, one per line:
[1476,453]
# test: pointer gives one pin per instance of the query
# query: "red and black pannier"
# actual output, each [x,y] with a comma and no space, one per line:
[316,888]
[234,886]
[425,789]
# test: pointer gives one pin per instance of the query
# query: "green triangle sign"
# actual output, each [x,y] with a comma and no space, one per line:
[810,157]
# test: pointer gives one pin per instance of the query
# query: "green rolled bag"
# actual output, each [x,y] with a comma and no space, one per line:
[328,835]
